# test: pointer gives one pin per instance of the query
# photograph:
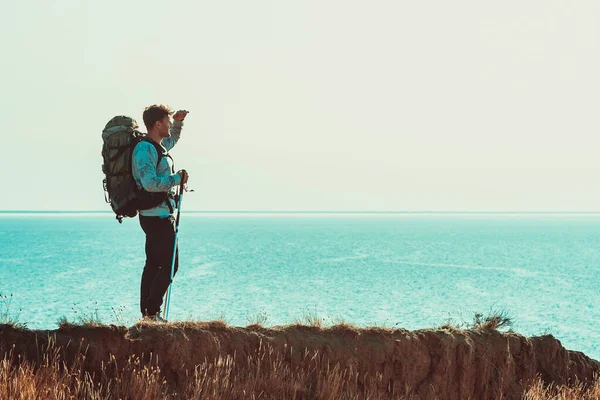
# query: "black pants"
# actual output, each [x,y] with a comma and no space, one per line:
[160,238]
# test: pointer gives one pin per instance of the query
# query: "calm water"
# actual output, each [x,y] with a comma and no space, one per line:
[412,271]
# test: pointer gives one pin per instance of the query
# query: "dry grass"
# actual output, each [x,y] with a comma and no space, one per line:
[496,319]
[65,324]
[6,316]
[576,392]
[54,379]
[309,318]
[81,318]
[344,327]
[265,375]
[182,325]
[258,320]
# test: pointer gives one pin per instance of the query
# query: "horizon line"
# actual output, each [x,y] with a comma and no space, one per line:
[306,212]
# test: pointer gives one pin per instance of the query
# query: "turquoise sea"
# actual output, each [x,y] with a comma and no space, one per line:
[398,270]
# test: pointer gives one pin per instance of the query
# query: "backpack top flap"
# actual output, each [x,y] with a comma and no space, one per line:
[117,124]
[119,136]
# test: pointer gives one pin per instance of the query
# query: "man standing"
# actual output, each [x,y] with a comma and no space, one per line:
[153,171]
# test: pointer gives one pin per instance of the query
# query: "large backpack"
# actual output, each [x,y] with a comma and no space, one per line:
[120,136]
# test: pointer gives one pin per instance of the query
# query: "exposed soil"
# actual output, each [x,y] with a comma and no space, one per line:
[434,363]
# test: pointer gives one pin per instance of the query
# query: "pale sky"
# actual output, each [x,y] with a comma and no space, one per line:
[469,105]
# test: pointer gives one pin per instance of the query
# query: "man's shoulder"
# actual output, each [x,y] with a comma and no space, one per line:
[145,148]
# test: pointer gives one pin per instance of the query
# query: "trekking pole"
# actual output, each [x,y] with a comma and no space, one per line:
[174,250]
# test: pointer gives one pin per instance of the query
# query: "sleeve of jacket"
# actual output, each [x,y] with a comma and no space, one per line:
[175,131]
[143,167]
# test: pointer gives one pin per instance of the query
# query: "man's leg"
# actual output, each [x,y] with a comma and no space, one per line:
[161,279]
[151,227]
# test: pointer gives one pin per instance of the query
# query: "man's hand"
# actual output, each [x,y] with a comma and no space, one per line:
[184,175]
[180,115]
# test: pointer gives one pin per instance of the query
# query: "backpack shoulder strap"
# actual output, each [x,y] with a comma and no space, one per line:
[158,147]
[172,163]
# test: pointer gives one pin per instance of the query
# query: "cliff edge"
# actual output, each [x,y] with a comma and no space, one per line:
[311,362]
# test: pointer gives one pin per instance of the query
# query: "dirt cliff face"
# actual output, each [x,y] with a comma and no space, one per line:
[443,363]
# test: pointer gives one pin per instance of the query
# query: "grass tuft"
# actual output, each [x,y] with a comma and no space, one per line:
[497,319]
[310,318]
[6,315]
[259,319]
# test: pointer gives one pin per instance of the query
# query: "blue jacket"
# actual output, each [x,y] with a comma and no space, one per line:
[156,179]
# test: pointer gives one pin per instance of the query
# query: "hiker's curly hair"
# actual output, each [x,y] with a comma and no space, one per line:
[155,113]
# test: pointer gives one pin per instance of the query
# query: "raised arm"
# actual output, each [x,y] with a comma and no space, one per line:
[175,131]
[143,167]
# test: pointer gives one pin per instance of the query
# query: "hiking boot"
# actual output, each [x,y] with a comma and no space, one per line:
[158,318]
